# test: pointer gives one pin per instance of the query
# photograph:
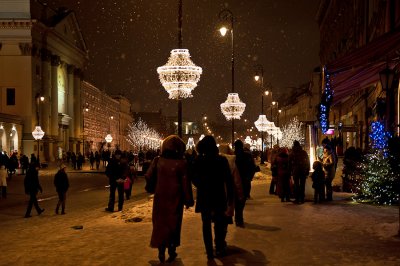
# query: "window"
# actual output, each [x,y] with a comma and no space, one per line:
[10,96]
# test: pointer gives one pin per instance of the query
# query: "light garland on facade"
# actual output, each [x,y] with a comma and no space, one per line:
[326,101]
[179,76]
[232,108]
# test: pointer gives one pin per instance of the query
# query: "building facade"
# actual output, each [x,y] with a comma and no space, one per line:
[359,39]
[101,116]
[42,54]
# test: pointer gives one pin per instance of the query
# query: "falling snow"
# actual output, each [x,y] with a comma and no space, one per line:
[128,40]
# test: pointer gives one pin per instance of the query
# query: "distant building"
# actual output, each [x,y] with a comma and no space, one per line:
[42,54]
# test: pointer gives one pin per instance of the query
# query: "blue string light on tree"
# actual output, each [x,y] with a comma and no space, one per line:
[325,104]
[379,136]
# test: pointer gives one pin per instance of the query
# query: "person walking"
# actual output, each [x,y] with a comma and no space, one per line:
[246,166]
[282,166]
[73,160]
[318,178]
[116,178]
[300,166]
[97,159]
[91,160]
[227,152]
[62,184]
[32,187]
[215,191]
[167,179]
[328,162]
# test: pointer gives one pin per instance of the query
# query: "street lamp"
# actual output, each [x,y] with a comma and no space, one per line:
[179,76]
[232,108]
[108,139]
[38,134]
[85,109]
[260,123]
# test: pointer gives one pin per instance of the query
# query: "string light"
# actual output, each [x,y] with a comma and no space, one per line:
[179,76]
[291,132]
[324,106]
[232,108]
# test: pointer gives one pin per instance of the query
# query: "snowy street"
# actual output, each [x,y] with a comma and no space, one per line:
[336,233]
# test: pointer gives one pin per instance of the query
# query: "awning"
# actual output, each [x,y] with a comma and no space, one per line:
[361,68]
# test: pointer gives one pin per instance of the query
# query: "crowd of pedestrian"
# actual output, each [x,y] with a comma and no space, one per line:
[221,179]
[290,170]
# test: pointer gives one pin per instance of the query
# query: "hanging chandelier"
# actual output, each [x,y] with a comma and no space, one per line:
[233,108]
[262,123]
[179,76]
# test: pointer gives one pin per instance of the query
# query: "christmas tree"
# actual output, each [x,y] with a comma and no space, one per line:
[379,182]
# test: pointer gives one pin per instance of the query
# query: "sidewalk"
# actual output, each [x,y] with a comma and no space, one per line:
[275,233]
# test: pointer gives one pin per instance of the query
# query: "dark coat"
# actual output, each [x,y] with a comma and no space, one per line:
[115,170]
[61,181]
[299,162]
[247,168]
[215,188]
[172,192]
[31,181]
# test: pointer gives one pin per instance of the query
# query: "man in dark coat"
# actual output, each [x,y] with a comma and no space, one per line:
[32,187]
[246,166]
[300,166]
[215,190]
[62,184]
[115,173]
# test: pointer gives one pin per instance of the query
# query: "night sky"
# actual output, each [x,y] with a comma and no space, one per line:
[128,40]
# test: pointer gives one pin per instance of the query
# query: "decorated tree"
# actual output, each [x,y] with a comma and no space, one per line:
[379,182]
[141,137]
[291,132]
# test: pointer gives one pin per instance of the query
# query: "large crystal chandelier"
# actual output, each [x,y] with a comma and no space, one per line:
[179,76]
[262,123]
[233,108]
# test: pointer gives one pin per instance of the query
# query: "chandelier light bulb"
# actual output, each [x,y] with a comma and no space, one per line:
[179,76]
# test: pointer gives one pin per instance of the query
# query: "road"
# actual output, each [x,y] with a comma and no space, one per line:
[88,190]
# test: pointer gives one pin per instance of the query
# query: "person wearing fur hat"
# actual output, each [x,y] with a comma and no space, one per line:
[167,179]
[62,184]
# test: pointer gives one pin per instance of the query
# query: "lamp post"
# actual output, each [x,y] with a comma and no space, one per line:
[38,133]
[232,108]
[277,123]
[259,77]
[180,75]
[85,109]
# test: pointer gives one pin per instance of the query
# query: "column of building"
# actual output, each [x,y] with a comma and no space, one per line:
[45,111]
[78,132]
[70,107]
[53,132]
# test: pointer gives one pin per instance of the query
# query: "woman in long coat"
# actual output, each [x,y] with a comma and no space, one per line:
[167,179]
[282,165]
